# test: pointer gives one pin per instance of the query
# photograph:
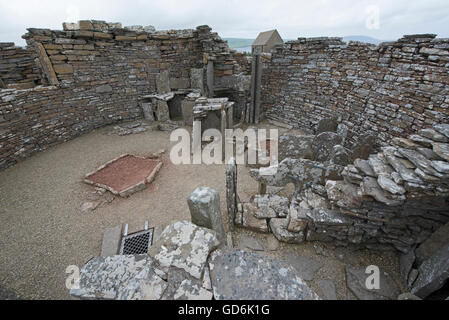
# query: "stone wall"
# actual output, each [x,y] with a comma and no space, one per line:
[393,89]
[98,74]
[17,67]
[396,198]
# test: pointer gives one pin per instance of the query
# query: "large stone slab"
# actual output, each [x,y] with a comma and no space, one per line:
[295,146]
[327,125]
[111,241]
[433,273]
[231,191]
[204,205]
[306,267]
[182,286]
[442,128]
[431,245]
[323,145]
[271,206]
[356,282]
[327,288]
[184,245]
[119,277]
[252,243]
[242,275]
[250,220]
[279,228]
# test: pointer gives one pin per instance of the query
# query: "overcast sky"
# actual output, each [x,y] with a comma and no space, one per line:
[385,20]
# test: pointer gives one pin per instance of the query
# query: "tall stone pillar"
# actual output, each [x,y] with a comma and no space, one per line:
[231,191]
[210,79]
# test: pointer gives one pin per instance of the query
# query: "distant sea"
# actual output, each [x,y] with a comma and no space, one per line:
[243,49]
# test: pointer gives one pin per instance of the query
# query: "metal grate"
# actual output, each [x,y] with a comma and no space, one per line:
[137,243]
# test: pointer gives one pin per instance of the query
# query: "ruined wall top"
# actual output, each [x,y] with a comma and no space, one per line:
[99,29]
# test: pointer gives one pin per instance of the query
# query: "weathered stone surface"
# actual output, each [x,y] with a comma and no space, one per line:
[271,206]
[428,153]
[363,146]
[162,113]
[279,228]
[406,261]
[323,216]
[297,218]
[431,245]
[312,199]
[344,194]
[103,89]
[442,128]
[420,161]
[250,221]
[433,273]
[370,187]
[400,167]
[378,165]
[182,286]
[389,185]
[416,138]
[238,275]
[363,166]
[440,166]
[323,145]
[342,131]
[163,82]
[185,246]
[111,241]
[404,143]
[119,277]
[295,146]
[441,149]
[432,134]
[356,278]
[231,191]
[297,171]
[252,243]
[327,125]
[340,155]
[306,267]
[205,211]
[408,296]
[271,243]
[327,288]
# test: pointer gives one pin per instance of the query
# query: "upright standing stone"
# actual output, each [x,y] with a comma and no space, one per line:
[223,131]
[196,79]
[231,191]
[204,205]
[210,78]
[163,82]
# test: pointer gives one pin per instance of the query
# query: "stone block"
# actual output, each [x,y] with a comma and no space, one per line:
[205,211]
[111,241]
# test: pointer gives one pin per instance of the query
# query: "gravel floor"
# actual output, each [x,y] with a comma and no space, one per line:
[43,230]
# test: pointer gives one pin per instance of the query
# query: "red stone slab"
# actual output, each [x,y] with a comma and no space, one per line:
[125,175]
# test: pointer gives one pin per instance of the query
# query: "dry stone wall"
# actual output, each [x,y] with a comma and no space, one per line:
[96,73]
[17,67]
[390,90]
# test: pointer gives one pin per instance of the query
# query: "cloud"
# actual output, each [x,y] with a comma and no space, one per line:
[236,18]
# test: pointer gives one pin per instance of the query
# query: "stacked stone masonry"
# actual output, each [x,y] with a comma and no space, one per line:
[395,199]
[17,67]
[391,90]
[97,74]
